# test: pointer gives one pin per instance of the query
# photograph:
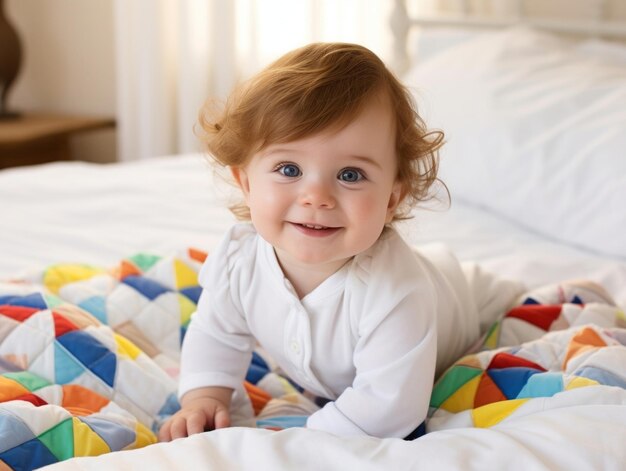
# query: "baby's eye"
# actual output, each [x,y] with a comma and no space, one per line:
[289,170]
[350,175]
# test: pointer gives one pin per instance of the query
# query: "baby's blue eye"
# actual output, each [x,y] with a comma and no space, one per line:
[290,170]
[350,175]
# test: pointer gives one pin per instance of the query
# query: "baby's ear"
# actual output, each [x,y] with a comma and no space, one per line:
[241,177]
[395,198]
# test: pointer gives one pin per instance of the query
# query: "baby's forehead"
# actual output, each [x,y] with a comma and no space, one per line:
[378,102]
[368,139]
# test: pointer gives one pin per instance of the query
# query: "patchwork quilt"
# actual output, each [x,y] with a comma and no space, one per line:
[89,360]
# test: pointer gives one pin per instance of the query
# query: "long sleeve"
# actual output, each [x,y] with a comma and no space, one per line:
[217,347]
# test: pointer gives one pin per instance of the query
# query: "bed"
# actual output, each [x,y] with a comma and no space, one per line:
[99,263]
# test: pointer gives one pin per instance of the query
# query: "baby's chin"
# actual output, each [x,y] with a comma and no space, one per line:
[329,255]
[315,259]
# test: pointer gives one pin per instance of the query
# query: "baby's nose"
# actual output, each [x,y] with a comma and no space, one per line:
[318,194]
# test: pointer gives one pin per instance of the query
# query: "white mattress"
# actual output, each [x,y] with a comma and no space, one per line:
[89,213]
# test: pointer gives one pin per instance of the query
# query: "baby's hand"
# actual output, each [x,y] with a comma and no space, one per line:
[198,413]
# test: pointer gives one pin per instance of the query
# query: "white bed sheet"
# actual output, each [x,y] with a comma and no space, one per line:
[94,214]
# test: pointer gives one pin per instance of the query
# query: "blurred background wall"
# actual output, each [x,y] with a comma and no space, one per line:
[68,65]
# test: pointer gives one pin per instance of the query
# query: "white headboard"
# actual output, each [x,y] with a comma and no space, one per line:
[595,21]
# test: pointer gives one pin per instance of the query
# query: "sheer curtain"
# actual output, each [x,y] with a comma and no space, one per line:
[172,55]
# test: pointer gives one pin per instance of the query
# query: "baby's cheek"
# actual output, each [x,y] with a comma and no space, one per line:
[273,194]
[373,207]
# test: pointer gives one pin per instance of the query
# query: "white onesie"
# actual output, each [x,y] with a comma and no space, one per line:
[366,338]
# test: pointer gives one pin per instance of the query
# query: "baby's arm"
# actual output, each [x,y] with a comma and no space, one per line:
[201,409]
[213,364]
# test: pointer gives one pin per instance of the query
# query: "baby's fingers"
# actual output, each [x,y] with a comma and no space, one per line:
[195,424]
[178,428]
[173,428]
[164,433]
[222,418]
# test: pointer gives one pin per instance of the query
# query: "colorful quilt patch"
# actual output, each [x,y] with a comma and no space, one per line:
[42,423]
[555,307]
[88,360]
[128,297]
[535,351]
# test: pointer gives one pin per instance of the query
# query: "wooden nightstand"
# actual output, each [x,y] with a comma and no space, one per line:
[35,139]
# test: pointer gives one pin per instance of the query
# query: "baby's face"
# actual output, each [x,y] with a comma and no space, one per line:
[325,198]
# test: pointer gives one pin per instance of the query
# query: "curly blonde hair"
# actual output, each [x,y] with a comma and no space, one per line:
[312,89]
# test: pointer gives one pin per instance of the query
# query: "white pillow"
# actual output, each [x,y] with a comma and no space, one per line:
[604,50]
[535,130]
[430,42]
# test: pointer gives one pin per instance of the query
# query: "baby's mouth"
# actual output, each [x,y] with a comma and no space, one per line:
[315,226]
[315,229]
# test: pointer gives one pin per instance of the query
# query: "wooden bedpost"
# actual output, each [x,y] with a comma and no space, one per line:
[400,24]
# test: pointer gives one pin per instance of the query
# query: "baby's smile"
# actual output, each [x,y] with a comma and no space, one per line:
[315,230]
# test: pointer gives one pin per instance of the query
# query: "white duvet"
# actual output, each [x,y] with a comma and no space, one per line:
[569,439]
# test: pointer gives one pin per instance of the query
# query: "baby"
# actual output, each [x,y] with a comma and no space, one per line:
[328,152]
